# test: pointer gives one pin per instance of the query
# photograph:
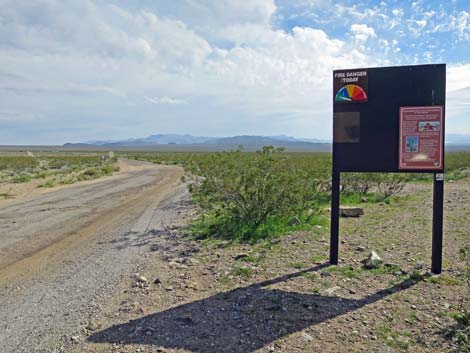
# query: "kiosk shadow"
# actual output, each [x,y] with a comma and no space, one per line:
[239,321]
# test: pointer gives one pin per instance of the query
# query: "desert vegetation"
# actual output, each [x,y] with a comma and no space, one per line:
[250,196]
[258,228]
[53,169]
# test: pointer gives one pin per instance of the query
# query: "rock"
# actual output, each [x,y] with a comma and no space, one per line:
[373,261]
[176,265]
[346,211]
[306,337]
[403,340]
[190,261]
[419,266]
[240,256]
[331,290]
[360,248]
[157,281]
[140,278]
[192,285]
[93,325]
[295,221]
[75,339]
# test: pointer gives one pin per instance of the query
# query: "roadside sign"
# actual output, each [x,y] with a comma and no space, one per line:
[390,120]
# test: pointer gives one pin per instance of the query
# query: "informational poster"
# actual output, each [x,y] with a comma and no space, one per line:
[350,86]
[421,138]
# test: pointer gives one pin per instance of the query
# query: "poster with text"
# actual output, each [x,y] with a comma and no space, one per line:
[421,138]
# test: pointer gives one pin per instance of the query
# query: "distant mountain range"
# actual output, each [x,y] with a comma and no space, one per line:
[457,139]
[249,142]
[160,139]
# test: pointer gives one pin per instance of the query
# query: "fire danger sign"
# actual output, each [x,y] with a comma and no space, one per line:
[350,86]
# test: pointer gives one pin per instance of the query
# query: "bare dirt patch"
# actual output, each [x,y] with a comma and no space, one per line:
[281,296]
[62,254]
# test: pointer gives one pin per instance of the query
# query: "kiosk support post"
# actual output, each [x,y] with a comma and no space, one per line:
[437,215]
[334,227]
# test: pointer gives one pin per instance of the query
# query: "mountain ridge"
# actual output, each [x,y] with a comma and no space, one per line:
[187,139]
[249,142]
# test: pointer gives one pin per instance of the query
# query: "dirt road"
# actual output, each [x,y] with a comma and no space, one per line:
[62,253]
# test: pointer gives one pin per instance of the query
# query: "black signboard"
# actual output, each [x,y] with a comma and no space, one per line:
[389,120]
[366,131]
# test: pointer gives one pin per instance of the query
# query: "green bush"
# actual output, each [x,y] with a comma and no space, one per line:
[21,178]
[251,198]
[20,169]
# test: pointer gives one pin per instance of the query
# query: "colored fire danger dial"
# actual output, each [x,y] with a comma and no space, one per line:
[351,93]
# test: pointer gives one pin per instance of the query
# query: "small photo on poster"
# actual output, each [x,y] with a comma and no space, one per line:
[412,143]
[429,126]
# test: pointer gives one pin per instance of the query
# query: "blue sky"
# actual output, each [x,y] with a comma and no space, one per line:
[75,70]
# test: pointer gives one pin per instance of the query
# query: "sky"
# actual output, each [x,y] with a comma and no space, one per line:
[79,70]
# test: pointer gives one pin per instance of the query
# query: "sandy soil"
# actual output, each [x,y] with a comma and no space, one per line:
[282,296]
[72,261]
[63,252]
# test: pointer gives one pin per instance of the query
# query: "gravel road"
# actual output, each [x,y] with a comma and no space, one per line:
[63,253]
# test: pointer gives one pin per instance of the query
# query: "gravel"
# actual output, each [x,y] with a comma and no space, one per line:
[68,250]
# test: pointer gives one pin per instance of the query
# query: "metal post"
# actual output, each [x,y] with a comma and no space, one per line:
[334,228]
[437,217]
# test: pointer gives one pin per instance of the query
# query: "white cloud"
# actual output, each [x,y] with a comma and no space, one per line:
[398,12]
[458,77]
[362,32]
[82,64]
[236,64]
[421,23]
[458,23]
[165,100]
[461,24]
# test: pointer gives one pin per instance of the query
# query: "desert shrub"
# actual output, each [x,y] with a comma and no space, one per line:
[16,163]
[389,184]
[248,198]
[379,185]
[360,183]
[233,188]
[20,169]
[22,178]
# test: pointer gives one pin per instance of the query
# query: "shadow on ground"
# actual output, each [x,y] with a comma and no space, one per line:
[239,321]
[136,239]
